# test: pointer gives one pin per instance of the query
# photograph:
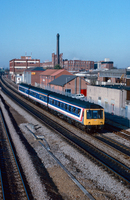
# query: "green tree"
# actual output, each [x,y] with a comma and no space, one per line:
[57,67]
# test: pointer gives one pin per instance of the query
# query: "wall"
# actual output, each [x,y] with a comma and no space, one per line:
[35,77]
[73,85]
[113,100]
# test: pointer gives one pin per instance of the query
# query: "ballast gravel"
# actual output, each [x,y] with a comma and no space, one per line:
[100,184]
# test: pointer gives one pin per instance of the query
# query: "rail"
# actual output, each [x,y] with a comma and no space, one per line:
[114,166]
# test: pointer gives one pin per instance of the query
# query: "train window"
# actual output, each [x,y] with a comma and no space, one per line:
[55,103]
[70,108]
[100,114]
[61,105]
[52,101]
[78,111]
[65,106]
[73,109]
[95,114]
[89,114]
[45,98]
[58,104]
[42,97]
[34,94]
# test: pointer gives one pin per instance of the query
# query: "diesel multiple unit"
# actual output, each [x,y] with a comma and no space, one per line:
[86,115]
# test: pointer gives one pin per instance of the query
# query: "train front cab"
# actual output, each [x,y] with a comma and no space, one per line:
[94,119]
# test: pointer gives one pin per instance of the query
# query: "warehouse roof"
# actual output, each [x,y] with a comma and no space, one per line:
[62,80]
[118,87]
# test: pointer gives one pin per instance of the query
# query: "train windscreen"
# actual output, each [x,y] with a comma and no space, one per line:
[94,114]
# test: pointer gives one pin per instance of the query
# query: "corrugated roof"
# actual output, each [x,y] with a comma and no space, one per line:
[62,80]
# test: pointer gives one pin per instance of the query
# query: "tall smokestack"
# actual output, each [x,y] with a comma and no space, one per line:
[58,60]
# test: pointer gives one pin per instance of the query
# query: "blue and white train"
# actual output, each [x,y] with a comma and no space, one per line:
[85,115]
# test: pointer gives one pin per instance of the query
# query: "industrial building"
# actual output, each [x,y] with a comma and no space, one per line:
[112,76]
[32,76]
[69,84]
[18,66]
[114,98]
[78,65]
[50,74]
[111,97]
[106,64]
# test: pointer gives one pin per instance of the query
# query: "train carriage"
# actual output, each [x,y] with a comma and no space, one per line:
[24,89]
[66,106]
[34,93]
[90,115]
[83,114]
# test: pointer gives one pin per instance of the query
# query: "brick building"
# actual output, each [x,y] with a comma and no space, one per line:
[51,64]
[78,65]
[50,74]
[18,66]
[69,84]
[106,64]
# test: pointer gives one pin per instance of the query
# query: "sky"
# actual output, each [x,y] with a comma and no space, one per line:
[89,30]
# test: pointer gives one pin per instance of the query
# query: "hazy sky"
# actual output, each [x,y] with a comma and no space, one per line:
[89,30]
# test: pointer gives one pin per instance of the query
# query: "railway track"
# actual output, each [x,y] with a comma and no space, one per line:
[123,133]
[113,166]
[12,185]
[117,145]
[119,132]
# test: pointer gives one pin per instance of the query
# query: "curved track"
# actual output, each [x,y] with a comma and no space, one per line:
[121,171]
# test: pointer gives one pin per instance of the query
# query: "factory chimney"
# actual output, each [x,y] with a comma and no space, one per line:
[58,59]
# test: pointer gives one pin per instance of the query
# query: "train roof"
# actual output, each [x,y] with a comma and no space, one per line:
[35,88]
[78,102]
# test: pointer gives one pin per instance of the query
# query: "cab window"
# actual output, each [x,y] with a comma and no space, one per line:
[95,114]
[89,114]
[100,114]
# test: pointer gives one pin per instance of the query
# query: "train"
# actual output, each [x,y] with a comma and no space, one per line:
[85,115]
